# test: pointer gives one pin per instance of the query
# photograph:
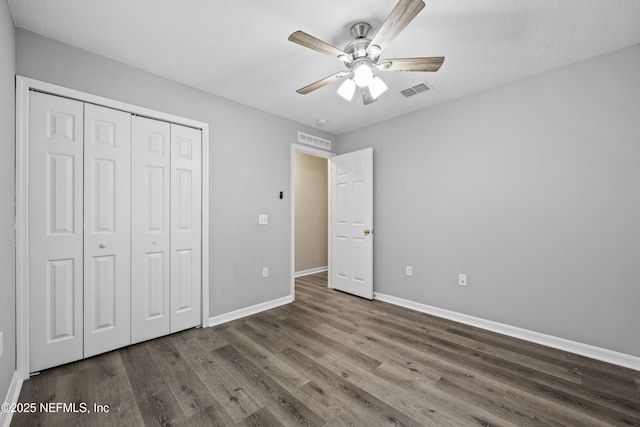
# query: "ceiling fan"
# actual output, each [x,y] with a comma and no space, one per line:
[362,55]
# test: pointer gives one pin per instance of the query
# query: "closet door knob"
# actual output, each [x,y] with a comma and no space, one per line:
[102,245]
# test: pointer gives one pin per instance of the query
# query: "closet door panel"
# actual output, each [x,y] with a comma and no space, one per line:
[107,229]
[55,230]
[186,230]
[150,237]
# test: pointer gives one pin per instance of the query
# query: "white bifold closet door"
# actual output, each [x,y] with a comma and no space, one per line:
[115,223]
[186,227]
[166,227]
[55,231]
[107,236]
[151,173]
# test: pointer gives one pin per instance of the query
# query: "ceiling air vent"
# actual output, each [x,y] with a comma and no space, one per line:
[414,90]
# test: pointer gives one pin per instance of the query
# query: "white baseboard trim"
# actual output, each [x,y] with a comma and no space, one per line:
[310,271]
[598,353]
[248,311]
[13,394]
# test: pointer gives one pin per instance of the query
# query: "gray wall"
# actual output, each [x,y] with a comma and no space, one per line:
[250,164]
[7,156]
[532,189]
[312,215]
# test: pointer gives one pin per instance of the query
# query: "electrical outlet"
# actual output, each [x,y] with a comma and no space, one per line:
[265,271]
[263,219]
[462,279]
[409,271]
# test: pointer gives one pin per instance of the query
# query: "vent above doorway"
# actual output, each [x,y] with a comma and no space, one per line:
[307,139]
[414,90]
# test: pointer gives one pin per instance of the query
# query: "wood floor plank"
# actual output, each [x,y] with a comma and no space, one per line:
[262,332]
[38,389]
[389,358]
[348,352]
[496,397]
[416,364]
[322,403]
[414,405]
[285,403]
[107,384]
[405,371]
[226,389]
[373,410]
[209,337]
[336,360]
[303,313]
[261,418]
[209,416]
[522,376]
[190,392]
[266,361]
[156,403]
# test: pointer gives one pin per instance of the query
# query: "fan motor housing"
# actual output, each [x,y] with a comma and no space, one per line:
[360,30]
[358,47]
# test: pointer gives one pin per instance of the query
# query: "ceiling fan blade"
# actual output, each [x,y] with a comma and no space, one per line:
[321,83]
[398,19]
[306,40]
[367,98]
[412,64]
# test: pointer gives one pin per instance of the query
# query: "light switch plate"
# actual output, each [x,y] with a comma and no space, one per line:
[263,219]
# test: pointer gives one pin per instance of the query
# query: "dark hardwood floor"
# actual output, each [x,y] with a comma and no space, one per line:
[337,360]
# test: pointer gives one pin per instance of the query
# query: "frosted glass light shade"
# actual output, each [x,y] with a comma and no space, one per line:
[377,87]
[347,89]
[362,75]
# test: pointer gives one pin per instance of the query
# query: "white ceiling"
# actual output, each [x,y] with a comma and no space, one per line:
[238,49]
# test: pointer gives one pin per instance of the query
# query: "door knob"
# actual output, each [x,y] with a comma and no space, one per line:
[102,245]
[367,231]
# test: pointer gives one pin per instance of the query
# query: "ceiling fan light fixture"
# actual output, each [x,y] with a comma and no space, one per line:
[362,74]
[377,87]
[347,89]
[362,54]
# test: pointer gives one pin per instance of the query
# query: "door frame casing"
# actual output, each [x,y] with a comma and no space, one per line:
[299,148]
[23,86]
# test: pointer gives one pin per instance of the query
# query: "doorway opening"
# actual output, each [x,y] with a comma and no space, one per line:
[310,212]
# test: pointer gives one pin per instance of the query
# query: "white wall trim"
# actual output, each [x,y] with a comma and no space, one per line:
[13,394]
[598,353]
[292,189]
[248,311]
[311,271]
[22,228]
[23,86]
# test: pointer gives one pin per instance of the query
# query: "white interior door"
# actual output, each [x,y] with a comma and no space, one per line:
[107,236]
[186,227]
[150,225]
[55,230]
[352,223]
